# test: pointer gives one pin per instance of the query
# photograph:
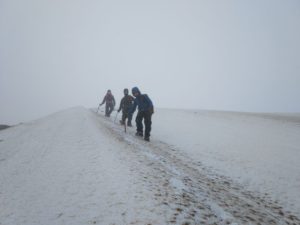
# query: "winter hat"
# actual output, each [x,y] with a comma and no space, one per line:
[135,90]
[126,91]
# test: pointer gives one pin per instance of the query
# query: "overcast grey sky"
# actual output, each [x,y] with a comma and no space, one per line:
[230,55]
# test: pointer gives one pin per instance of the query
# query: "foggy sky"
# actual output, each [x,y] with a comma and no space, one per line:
[225,55]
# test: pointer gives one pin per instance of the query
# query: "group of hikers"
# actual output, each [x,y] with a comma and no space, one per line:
[128,106]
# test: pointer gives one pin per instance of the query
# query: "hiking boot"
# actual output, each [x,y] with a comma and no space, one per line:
[129,125]
[121,122]
[139,134]
[147,138]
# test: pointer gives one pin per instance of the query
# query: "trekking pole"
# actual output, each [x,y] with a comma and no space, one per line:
[116,117]
[98,108]
[125,125]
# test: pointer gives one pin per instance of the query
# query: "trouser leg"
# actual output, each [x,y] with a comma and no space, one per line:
[111,108]
[139,124]
[123,117]
[148,123]
[106,109]
[129,116]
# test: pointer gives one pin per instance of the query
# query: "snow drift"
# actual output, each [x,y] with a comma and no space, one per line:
[201,167]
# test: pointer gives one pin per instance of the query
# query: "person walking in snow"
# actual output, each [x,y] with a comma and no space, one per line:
[126,105]
[145,111]
[110,103]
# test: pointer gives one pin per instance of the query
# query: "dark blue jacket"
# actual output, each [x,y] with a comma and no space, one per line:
[143,102]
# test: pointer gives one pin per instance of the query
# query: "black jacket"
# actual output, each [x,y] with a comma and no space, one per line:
[126,103]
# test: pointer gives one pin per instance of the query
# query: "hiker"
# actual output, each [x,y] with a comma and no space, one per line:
[145,111]
[126,105]
[110,103]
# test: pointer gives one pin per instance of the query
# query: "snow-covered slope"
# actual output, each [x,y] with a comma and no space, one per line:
[66,169]
[78,167]
[260,151]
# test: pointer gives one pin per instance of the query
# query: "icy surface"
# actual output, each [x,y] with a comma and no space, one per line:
[202,167]
[261,151]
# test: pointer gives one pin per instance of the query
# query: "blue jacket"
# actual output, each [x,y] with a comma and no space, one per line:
[143,102]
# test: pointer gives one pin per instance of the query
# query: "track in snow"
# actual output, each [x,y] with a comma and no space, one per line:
[190,193]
